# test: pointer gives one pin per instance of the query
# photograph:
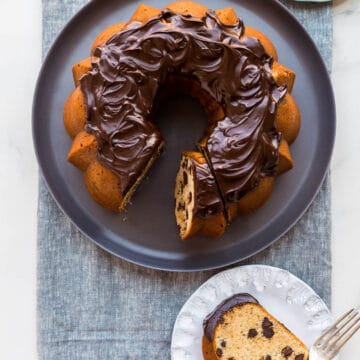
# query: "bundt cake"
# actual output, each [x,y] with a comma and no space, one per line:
[241,329]
[230,68]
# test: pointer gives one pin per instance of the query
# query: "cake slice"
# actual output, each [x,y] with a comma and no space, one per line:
[198,205]
[241,329]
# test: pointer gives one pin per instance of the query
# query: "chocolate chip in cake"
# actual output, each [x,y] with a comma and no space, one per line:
[266,323]
[286,351]
[268,357]
[219,352]
[300,357]
[267,327]
[252,333]
[185,176]
[223,343]
[190,196]
[231,358]
[268,333]
[181,206]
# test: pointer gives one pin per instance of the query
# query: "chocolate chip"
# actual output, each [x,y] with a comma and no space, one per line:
[268,333]
[300,357]
[231,358]
[190,197]
[185,178]
[252,333]
[223,343]
[268,357]
[181,206]
[267,327]
[219,352]
[266,323]
[286,351]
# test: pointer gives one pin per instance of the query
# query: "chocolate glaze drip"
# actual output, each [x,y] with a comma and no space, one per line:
[121,87]
[216,317]
[208,201]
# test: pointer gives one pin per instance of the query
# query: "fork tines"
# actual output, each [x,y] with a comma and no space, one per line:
[334,338]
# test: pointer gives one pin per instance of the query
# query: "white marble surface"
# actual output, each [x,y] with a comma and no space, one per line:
[346,164]
[20,31]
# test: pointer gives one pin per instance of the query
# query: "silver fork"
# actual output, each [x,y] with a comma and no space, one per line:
[335,336]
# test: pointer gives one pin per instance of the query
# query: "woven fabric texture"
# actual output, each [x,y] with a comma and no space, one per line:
[92,305]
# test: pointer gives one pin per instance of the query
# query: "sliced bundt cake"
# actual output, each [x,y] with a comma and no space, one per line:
[246,95]
[241,329]
[198,205]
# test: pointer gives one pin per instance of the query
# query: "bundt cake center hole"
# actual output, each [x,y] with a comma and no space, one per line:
[181,121]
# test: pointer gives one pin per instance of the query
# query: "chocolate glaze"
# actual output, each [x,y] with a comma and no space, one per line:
[216,317]
[207,200]
[121,87]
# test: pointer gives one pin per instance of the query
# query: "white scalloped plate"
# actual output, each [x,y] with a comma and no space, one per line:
[284,295]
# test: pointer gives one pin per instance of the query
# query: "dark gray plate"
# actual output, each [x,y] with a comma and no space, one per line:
[147,233]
